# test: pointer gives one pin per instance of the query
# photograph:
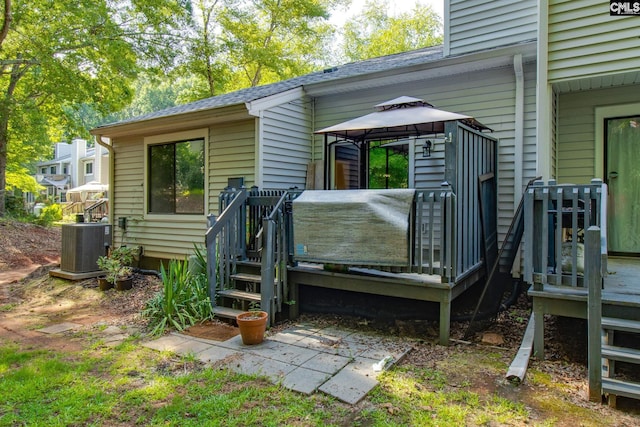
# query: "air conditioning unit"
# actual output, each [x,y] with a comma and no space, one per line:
[82,244]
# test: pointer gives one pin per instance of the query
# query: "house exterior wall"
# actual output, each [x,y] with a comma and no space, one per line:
[487,95]
[230,153]
[585,41]
[475,25]
[286,148]
[577,150]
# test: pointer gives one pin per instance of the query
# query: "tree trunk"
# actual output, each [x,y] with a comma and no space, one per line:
[5,110]
[4,127]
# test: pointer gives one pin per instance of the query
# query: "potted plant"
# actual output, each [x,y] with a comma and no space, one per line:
[252,325]
[117,269]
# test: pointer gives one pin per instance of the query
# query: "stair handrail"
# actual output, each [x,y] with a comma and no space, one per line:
[225,242]
[100,204]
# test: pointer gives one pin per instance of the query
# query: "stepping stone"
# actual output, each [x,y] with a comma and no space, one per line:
[305,380]
[60,328]
[166,343]
[353,382]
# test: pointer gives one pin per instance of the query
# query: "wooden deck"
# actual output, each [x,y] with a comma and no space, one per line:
[422,287]
[623,276]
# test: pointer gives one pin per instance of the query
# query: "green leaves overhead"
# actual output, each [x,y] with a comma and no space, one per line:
[59,55]
[374,33]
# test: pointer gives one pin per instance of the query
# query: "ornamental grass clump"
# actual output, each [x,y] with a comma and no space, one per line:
[183,301]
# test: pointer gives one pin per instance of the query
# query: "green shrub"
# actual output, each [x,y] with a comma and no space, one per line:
[50,214]
[183,301]
[14,206]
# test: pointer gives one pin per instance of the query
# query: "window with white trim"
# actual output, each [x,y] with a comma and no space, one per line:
[88,168]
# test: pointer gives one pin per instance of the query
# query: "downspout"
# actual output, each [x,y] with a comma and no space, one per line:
[112,174]
[518,143]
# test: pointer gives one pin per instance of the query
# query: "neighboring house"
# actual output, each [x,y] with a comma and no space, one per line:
[544,75]
[73,164]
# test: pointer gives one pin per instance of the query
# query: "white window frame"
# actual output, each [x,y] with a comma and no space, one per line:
[171,138]
[86,164]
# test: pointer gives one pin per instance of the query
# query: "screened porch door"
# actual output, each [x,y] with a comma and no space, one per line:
[622,162]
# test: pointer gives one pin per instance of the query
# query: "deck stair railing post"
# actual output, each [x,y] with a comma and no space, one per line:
[275,256]
[593,279]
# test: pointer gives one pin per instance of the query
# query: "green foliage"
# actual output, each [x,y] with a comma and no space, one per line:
[183,301]
[375,33]
[388,169]
[59,56]
[50,214]
[117,264]
[15,206]
[234,45]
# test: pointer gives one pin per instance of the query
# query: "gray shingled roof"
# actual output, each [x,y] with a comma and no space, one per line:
[353,69]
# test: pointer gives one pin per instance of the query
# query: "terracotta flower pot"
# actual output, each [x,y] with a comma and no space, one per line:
[252,325]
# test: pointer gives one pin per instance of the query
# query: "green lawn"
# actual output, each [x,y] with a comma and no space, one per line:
[132,385]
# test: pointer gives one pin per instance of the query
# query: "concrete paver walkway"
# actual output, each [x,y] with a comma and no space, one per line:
[304,358]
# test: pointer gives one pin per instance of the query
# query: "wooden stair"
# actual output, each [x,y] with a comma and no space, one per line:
[612,386]
[242,294]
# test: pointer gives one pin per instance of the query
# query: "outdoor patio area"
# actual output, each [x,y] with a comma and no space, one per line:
[305,357]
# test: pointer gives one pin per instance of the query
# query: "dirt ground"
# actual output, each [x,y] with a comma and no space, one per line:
[27,305]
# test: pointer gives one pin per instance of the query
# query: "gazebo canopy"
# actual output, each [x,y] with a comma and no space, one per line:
[398,118]
[87,191]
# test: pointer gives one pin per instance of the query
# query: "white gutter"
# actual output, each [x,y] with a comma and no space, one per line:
[112,174]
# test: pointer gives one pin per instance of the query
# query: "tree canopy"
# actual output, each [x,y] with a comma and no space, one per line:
[68,65]
[375,33]
[59,55]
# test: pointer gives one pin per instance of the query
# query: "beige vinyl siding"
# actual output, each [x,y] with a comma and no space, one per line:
[126,198]
[286,145]
[576,130]
[489,96]
[585,41]
[485,24]
[231,155]
[160,238]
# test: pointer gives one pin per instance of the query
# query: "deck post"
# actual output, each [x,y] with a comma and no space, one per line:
[538,329]
[445,318]
[593,279]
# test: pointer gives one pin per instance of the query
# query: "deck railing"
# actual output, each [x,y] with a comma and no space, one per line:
[435,233]
[276,253]
[254,225]
[98,210]
[224,240]
[556,217]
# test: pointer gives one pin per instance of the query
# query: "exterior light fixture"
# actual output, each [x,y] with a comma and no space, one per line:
[426,148]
